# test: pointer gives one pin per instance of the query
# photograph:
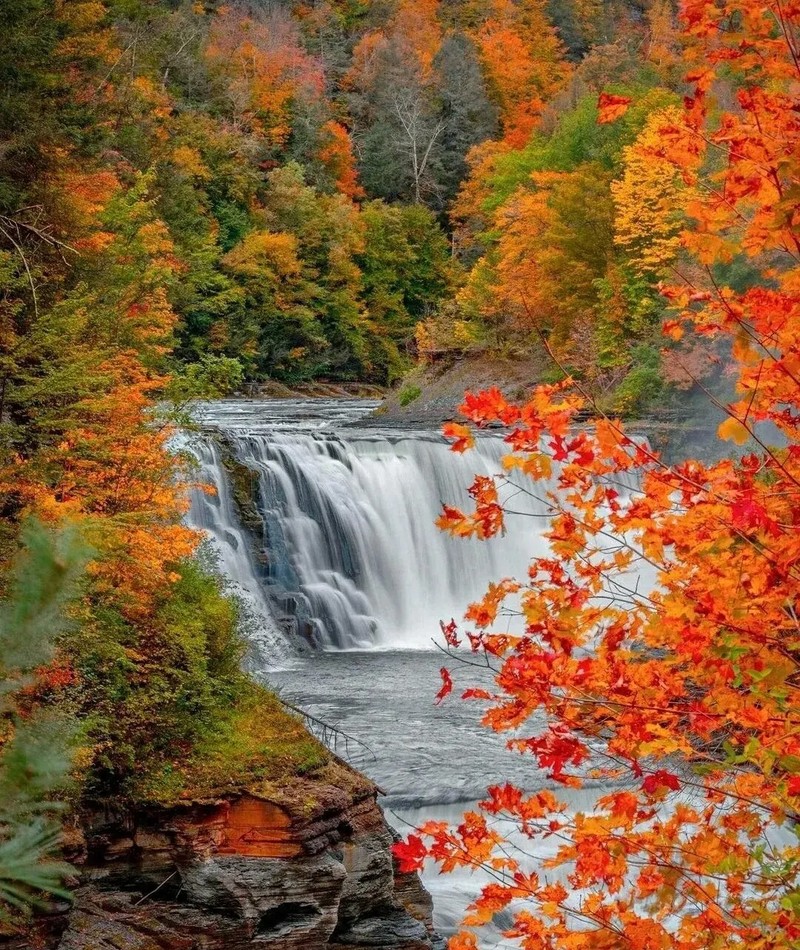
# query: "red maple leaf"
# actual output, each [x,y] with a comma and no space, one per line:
[462,435]
[450,631]
[410,854]
[659,780]
[611,107]
[749,515]
[502,798]
[475,693]
[447,685]
[556,749]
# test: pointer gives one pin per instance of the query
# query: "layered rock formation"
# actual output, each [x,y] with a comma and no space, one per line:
[309,871]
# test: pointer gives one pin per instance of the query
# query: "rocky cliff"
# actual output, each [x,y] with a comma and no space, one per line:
[309,870]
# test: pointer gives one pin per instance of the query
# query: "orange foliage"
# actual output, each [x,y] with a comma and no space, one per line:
[541,274]
[416,22]
[662,49]
[266,67]
[679,692]
[414,31]
[523,58]
[476,187]
[111,470]
[337,156]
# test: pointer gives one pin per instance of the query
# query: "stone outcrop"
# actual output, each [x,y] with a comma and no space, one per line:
[310,871]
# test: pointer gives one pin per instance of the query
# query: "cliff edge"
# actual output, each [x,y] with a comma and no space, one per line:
[308,871]
[272,841]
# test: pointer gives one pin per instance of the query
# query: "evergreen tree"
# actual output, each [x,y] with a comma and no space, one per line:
[467,114]
[34,757]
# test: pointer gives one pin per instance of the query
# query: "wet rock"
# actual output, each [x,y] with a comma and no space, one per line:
[390,927]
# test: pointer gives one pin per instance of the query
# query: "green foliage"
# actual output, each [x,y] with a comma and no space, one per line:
[155,690]
[576,139]
[630,309]
[407,270]
[211,377]
[642,386]
[317,287]
[34,742]
[27,78]
[31,617]
[257,745]
[409,394]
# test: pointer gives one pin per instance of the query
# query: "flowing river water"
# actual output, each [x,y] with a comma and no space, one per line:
[346,578]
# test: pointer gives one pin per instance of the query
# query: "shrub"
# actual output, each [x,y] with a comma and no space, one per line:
[408,394]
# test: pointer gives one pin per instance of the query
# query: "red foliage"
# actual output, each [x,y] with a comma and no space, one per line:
[678,690]
[611,107]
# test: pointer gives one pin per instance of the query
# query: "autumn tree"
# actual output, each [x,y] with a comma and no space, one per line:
[407,271]
[266,68]
[524,61]
[648,200]
[662,49]
[658,649]
[336,154]
[555,244]
[396,124]
[150,660]
[467,116]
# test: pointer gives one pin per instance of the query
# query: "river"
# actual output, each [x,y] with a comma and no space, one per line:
[346,578]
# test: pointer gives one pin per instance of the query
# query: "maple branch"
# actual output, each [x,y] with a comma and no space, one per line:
[747,329]
[651,456]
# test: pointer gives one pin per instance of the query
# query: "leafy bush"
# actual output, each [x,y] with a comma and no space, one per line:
[152,691]
[408,394]
[642,386]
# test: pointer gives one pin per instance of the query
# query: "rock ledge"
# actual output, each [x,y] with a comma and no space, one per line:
[243,871]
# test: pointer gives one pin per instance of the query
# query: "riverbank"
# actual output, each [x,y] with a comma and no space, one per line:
[430,395]
[299,860]
[272,389]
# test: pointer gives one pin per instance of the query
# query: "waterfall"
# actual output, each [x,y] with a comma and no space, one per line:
[350,556]
[341,553]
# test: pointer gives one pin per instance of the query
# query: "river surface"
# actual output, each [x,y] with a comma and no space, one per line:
[346,585]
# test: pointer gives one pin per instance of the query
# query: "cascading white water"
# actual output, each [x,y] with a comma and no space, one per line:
[351,550]
[213,512]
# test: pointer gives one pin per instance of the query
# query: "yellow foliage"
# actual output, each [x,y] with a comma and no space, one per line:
[649,199]
[264,253]
[81,16]
[189,160]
